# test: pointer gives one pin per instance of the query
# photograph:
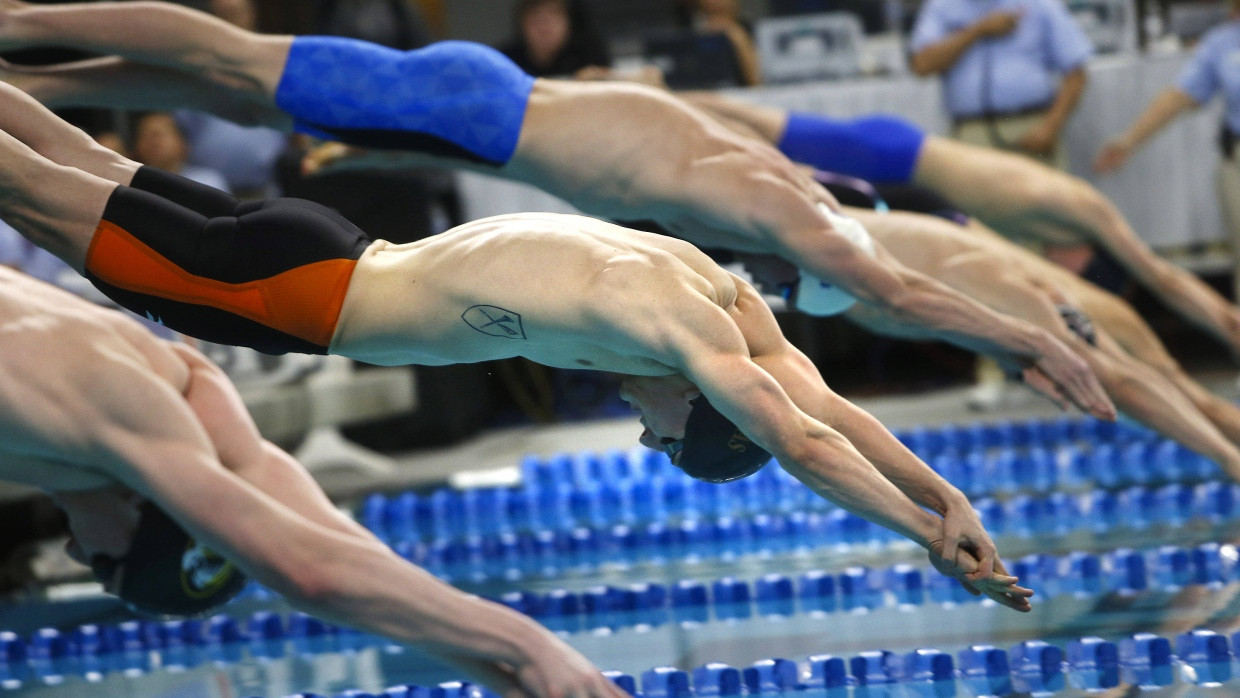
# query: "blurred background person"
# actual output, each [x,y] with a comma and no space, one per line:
[724,17]
[1213,69]
[556,38]
[159,142]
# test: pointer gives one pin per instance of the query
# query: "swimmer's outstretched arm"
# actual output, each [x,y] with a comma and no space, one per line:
[913,298]
[1027,199]
[713,353]
[150,438]
[1137,389]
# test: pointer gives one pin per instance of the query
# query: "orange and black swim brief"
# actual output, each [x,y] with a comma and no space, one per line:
[270,275]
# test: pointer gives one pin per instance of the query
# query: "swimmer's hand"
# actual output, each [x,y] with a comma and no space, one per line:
[1063,376]
[963,530]
[545,667]
[999,585]
[323,157]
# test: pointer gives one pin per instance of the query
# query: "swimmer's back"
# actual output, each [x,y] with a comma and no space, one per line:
[563,274]
[49,336]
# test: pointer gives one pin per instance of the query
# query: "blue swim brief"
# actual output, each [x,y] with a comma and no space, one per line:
[453,99]
[878,148]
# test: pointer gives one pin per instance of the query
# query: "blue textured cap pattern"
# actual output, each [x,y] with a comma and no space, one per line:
[452,98]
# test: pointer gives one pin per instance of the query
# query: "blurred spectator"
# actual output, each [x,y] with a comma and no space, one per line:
[112,141]
[394,23]
[1002,62]
[159,142]
[556,38]
[724,17]
[244,155]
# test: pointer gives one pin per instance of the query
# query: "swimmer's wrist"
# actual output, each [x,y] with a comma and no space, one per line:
[947,499]
[929,530]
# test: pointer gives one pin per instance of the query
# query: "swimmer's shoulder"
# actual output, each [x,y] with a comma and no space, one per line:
[45,330]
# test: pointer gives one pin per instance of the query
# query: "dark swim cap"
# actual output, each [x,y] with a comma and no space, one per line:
[713,448]
[166,572]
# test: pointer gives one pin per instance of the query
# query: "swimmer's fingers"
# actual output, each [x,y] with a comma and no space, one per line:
[1077,381]
[1086,393]
[1010,595]
[1062,374]
[1002,587]
[1037,380]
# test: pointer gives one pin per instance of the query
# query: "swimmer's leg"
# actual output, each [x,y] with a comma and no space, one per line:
[53,206]
[57,140]
[155,33]
[116,83]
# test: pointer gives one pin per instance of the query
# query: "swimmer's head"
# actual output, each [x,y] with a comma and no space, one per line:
[682,422]
[544,26]
[141,555]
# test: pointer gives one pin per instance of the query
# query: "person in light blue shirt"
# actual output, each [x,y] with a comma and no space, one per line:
[1005,57]
[1213,69]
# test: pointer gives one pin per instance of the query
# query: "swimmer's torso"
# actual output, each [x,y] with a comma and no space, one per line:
[574,145]
[55,351]
[565,291]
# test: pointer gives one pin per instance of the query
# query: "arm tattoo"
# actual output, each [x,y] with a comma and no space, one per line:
[494,321]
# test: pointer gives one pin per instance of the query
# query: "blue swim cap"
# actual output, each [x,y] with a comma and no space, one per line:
[167,572]
[713,448]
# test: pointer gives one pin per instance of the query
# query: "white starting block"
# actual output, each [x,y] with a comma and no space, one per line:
[309,411]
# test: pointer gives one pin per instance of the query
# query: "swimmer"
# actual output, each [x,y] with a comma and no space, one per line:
[719,387]
[1015,195]
[1015,281]
[174,499]
[620,151]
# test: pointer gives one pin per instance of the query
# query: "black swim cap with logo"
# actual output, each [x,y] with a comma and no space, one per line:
[167,572]
[713,448]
